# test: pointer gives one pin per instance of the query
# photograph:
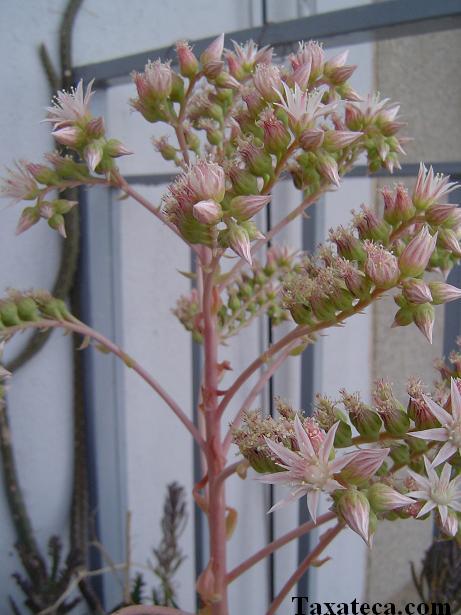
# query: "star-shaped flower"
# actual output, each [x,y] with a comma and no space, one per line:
[307,472]
[450,432]
[439,492]
[70,107]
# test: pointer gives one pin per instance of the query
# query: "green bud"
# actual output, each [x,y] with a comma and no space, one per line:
[28,309]
[367,422]
[9,314]
[302,314]
[400,454]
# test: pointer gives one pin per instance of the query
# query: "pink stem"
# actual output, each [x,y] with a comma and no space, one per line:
[277,544]
[82,329]
[216,459]
[299,331]
[324,541]
[258,387]
[140,609]
[305,203]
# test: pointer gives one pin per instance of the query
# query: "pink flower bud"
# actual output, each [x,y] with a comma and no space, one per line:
[155,83]
[354,508]
[383,498]
[301,76]
[404,208]
[429,187]
[214,51]
[207,180]
[245,207]
[364,464]
[224,80]
[188,63]
[95,128]
[93,155]
[276,136]
[239,241]
[443,293]
[207,212]
[448,216]
[423,317]
[381,266]
[450,525]
[312,139]
[29,217]
[338,139]
[415,257]
[449,241]
[416,291]
[328,168]
[68,135]
[390,214]
[114,148]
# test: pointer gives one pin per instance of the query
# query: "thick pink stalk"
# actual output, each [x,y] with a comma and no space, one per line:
[277,544]
[81,329]
[324,541]
[216,459]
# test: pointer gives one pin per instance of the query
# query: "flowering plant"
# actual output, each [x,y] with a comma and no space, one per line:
[242,122]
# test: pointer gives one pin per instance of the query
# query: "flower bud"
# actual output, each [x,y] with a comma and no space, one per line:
[328,168]
[353,506]
[416,291]
[383,498]
[448,240]
[404,208]
[311,139]
[43,174]
[239,241]
[369,226]
[67,135]
[338,139]
[448,216]
[403,318]
[213,52]
[302,314]
[443,293]
[93,155]
[423,317]
[363,418]
[188,63]
[207,212]
[56,222]
[348,246]
[259,161]
[381,266]
[9,314]
[400,454]
[393,414]
[28,309]
[243,182]
[29,217]
[276,136]
[95,128]
[165,149]
[115,148]
[415,257]
[363,465]
[245,207]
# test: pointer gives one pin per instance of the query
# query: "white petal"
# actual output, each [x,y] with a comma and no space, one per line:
[440,414]
[440,434]
[443,510]
[305,445]
[447,450]
[455,400]
[294,495]
[420,480]
[327,444]
[428,506]
[288,457]
[313,503]
[445,476]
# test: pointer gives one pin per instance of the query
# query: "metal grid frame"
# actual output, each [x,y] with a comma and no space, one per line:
[384,20]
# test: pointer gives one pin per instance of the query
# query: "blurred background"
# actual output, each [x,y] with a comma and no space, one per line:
[128,447]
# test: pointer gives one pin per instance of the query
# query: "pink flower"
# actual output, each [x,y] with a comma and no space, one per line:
[155,82]
[70,107]
[450,432]
[439,492]
[307,472]
[309,53]
[302,108]
[429,188]
[268,81]
[207,181]
[381,266]
[19,185]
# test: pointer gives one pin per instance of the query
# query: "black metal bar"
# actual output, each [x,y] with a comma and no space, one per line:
[371,22]
[452,326]
[309,241]
[409,169]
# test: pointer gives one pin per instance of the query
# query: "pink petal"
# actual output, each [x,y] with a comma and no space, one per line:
[420,480]
[437,433]
[295,495]
[455,400]
[440,414]
[428,506]
[313,503]
[303,439]
[447,450]
[288,457]
[327,444]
